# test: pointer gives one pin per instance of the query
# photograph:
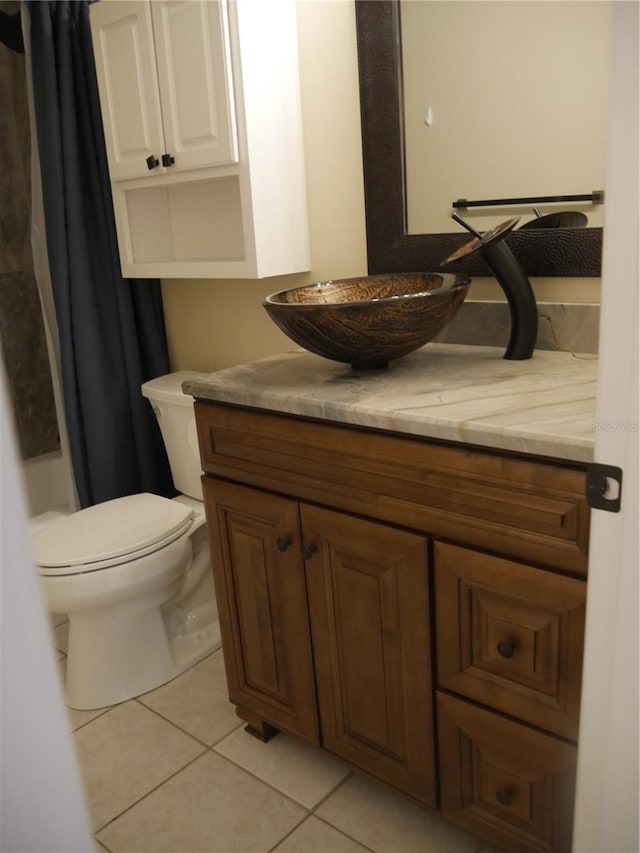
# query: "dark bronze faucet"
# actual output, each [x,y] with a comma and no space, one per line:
[513,281]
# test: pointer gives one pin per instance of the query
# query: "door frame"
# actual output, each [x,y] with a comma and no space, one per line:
[606,815]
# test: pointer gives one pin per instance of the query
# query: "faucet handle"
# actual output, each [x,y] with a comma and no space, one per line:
[481,241]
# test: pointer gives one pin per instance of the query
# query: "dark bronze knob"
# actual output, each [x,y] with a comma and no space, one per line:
[152,162]
[506,648]
[282,544]
[308,551]
[504,796]
[168,160]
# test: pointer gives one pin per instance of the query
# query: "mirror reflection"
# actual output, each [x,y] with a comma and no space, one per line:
[512,103]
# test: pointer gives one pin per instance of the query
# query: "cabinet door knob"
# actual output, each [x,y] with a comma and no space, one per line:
[308,551]
[168,160]
[282,544]
[506,648]
[152,162]
[504,796]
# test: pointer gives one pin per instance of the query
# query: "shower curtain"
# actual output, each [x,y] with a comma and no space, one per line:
[111,330]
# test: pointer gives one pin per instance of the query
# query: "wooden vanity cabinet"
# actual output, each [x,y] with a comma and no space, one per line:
[415,607]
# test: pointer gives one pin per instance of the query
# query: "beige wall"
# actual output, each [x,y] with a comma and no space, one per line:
[214,324]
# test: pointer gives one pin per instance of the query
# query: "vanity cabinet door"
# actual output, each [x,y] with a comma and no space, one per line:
[260,589]
[369,604]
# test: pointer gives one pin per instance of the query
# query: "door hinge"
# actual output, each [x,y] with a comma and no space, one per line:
[604,487]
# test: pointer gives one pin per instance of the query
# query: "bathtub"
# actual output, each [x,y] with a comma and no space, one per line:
[46,490]
[46,483]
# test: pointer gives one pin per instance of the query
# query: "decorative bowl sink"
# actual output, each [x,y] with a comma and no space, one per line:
[369,321]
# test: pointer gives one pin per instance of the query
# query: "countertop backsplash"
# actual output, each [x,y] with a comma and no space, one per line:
[564,327]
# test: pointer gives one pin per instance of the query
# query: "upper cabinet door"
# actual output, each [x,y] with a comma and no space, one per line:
[129,98]
[196,88]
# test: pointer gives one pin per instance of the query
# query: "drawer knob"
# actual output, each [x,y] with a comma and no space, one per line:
[282,544]
[504,796]
[506,648]
[308,551]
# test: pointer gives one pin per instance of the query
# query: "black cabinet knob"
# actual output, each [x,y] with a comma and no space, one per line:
[282,544]
[168,160]
[308,551]
[506,648]
[504,796]
[152,162]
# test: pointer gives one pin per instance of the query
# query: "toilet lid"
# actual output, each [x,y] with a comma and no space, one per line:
[109,530]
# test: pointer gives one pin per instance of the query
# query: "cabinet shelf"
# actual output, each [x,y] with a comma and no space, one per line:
[191,222]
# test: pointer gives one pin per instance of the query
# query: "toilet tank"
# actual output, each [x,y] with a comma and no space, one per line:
[175,414]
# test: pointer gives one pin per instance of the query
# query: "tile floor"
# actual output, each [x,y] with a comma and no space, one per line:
[174,771]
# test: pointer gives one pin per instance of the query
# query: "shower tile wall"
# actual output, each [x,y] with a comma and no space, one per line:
[22,336]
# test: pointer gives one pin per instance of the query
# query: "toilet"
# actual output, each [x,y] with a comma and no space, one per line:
[134,574]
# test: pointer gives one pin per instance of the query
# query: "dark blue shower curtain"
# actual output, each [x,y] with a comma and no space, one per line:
[112,334]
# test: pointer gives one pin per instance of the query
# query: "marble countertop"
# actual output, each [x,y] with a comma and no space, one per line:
[471,394]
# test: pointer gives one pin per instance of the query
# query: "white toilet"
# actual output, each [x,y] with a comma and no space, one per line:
[134,574]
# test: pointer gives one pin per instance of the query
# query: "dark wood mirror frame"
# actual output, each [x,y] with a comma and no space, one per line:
[541,252]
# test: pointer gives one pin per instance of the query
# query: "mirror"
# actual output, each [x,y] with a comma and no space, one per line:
[512,103]
[390,246]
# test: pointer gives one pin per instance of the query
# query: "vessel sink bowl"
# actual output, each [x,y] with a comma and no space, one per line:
[369,321]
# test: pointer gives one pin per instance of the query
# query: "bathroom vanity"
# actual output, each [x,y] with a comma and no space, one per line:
[400,561]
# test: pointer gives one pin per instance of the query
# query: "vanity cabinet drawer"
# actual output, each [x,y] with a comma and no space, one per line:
[526,508]
[510,636]
[507,783]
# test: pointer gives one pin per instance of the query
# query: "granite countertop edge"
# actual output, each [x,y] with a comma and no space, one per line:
[543,406]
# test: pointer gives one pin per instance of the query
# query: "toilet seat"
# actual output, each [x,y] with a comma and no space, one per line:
[108,534]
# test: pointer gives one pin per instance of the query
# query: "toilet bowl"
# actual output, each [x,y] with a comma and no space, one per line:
[134,575]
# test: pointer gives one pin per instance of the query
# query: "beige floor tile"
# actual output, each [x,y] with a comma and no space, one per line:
[197,701]
[298,770]
[77,719]
[315,836]
[124,754]
[388,823]
[211,806]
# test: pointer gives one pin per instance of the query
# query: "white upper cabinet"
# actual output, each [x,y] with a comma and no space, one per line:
[164,73]
[201,110]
